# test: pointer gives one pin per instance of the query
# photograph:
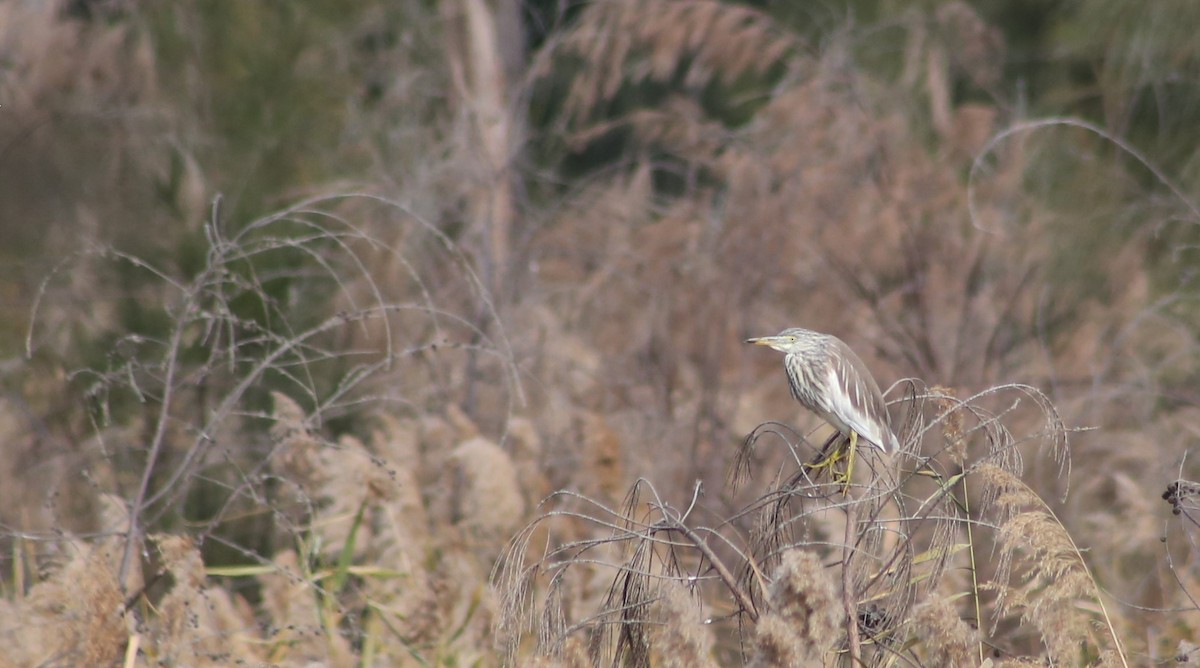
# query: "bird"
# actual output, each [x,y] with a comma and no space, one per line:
[829,379]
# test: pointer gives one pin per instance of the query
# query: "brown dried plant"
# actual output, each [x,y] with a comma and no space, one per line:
[802,618]
[626,42]
[77,614]
[946,639]
[200,385]
[1042,575]
[898,536]
[322,445]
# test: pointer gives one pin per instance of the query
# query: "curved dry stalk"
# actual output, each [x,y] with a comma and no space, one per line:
[309,248]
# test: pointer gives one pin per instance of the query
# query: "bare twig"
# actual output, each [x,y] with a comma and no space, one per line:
[723,572]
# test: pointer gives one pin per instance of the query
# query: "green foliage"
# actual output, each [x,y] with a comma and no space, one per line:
[266,88]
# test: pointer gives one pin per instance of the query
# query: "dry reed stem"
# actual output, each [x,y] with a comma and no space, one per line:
[849,592]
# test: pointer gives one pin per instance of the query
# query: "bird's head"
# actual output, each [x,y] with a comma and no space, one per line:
[793,340]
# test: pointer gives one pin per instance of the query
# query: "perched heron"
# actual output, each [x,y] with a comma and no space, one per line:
[827,378]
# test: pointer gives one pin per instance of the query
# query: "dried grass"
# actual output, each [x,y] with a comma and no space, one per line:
[77,614]
[802,624]
[197,624]
[946,639]
[488,498]
[331,414]
[627,42]
[679,636]
[1042,576]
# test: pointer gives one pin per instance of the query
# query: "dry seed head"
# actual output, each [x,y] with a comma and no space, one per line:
[952,422]
[1037,551]
[196,626]
[632,40]
[526,446]
[404,513]
[489,502]
[946,638]
[297,455]
[398,441]
[804,610]
[1004,490]
[83,605]
[286,596]
[679,638]
[295,614]
[349,477]
[181,559]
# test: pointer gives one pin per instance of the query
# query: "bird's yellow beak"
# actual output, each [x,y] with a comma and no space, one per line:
[762,341]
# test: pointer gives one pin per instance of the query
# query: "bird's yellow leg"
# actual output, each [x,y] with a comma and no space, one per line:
[828,461]
[837,455]
[850,460]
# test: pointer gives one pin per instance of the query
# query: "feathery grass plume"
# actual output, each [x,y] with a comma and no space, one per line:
[1042,576]
[298,450]
[355,482]
[629,41]
[76,616]
[489,505]
[409,601]
[439,434]
[297,461]
[197,625]
[946,640]
[289,596]
[801,624]
[679,636]
[405,517]
[413,600]
[952,419]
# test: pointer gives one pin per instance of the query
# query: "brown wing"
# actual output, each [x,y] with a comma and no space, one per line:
[859,404]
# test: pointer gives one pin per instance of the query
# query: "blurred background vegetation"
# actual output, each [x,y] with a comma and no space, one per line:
[548,226]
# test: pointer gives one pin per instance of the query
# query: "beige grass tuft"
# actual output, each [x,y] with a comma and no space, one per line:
[945,637]
[679,637]
[75,617]
[197,625]
[298,451]
[802,623]
[1041,575]
[295,615]
[952,422]
[489,501]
